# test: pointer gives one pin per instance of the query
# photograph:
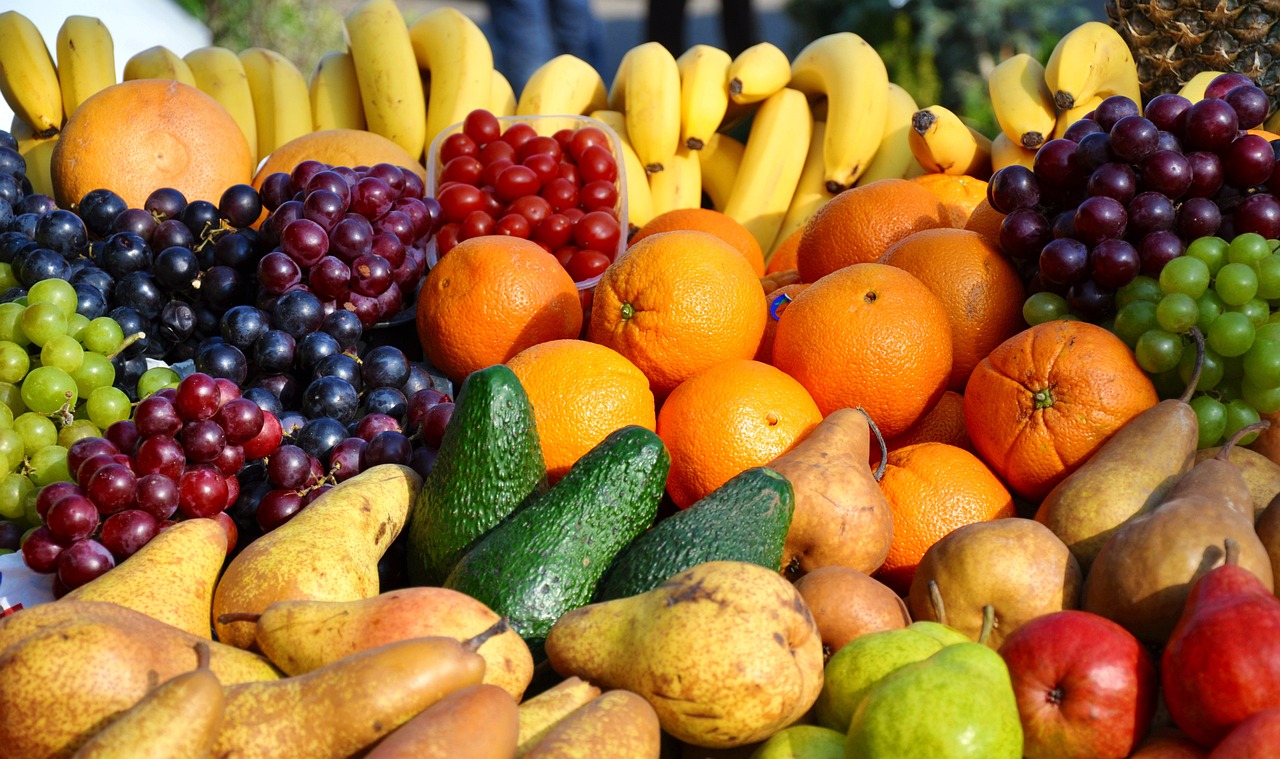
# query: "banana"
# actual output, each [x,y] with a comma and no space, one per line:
[771,164]
[850,73]
[387,71]
[1006,152]
[1091,59]
[220,75]
[456,52]
[86,60]
[566,84]
[1194,89]
[281,103]
[679,184]
[719,160]
[704,93]
[811,191]
[1021,100]
[639,196]
[502,96]
[1069,117]
[758,72]
[944,144]
[158,62]
[893,157]
[647,89]
[334,90]
[37,151]
[28,78]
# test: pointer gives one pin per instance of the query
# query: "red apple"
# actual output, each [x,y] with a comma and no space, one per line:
[1085,686]
[1258,737]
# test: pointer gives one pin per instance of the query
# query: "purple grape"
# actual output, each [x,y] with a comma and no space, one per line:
[1211,125]
[1100,218]
[344,459]
[1093,150]
[1169,141]
[1013,188]
[1150,212]
[1114,263]
[1158,249]
[1207,175]
[1167,112]
[1113,180]
[1064,261]
[83,561]
[1023,233]
[1091,301]
[1053,163]
[1258,213]
[1167,173]
[1224,84]
[1134,138]
[387,447]
[333,182]
[1248,161]
[1111,110]
[1064,225]
[1080,128]
[324,208]
[124,533]
[1250,104]
[1198,217]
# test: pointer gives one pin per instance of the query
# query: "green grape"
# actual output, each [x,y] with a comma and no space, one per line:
[6,417]
[1177,312]
[1268,331]
[154,380]
[1133,319]
[77,430]
[50,465]
[1257,309]
[1043,307]
[1248,248]
[1230,334]
[103,335]
[76,324]
[1186,275]
[21,301]
[47,389]
[14,489]
[95,372]
[108,405]
[37,431]
[14,362]
[1264,400]
[1210,369]
[8,278]
[43,322]
[1141,288]
[1236,284]
[1212,417]
[11,324]
[1168,384]
[1158,351]
[1240,415]
[1273,244]
[57,292]
[12,449]
[1269,277]
[1211,250]
[11,396]
[62,352]
[1210,307]
[1262,364]
[30,515]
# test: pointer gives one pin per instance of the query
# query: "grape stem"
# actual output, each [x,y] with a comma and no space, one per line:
[1199,365]
[130,340]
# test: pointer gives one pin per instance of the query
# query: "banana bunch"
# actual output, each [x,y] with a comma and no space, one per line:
[719,159]
[1022,102]
[390,89]
[944,144]
[704,93]
[28,78]
[502,96]
[566,85]
[86,60]
[456,53]
[646,89]
[772,162]
[893,156]
[219,74]
[158,62]
[334,88]
[1091,60]
[639,197]
[1006,152]
[281,102]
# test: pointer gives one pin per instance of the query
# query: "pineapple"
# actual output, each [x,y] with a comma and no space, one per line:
[1173,40]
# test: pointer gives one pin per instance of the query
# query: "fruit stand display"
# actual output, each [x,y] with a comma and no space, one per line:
[737,407]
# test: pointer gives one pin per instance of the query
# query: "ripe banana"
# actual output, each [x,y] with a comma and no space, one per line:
[771,164]
[639,196]
[158,62]
[704,93]
[1006,152]
[720,159]
[387,72]
[28,78]
[1194,89]
[566,85]
[811,191]
[281,103]
[758,72]
[502,96]
[456,52]
[679,184]
[893,157]
[86,60]
[1022,101]
[37,152]
[334,91]
[647,89]
[220,75]
[1069,117]
[944,144]
[850,73]
[1091,59]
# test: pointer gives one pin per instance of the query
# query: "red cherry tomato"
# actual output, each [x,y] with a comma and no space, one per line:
[477,224]
[532,207]
[489,176]
[570,172]
[597,231]
[598,195]
[587,263]
[495,151]
[544,166]
[464,169]
[481,126]
[447,238]
[562,138]
[540,146]
[597,163]
[516,182]
[565,254]
[459,200]
[513,225]
[560,193]
[518,134]
[554,231]
[573,214]
[457,145]
[585,138]
[493,205]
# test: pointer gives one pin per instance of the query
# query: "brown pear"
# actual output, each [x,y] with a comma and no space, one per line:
[1268,529]
[1127,476]
[617,725]
[541,713]
[477,722]
[1261,474]
[1015,565]
[1268,441]
[846,604]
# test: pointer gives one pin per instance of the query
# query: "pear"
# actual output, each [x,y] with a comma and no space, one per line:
[617,725]
[328,551]
[803,742]
[541,713]
[180,719]
[1128,475]
[726,652]
[847,604]
[1016,565]
[477,722]
[1261,474]
[170,579]
[1268,529]
[302,636]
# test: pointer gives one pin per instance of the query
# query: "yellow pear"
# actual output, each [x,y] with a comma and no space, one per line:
[477,722]
[617,725]
[541,713]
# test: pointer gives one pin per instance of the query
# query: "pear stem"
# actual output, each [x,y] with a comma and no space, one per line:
[497,628]
[988,623]
[935,599]
[238,616]
[884,448]
[1195,370]
[202,655]
[1232,552]
[1224,453]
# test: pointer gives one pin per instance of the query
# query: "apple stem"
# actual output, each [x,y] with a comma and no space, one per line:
[1232,552]
[202,655]
[238,616]
[988,623]
[935,598]
[884,448]
[497,628]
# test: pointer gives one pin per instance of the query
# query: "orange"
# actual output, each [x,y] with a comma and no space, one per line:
[868,335]
[785,256]
[771,282]
[337,147]
[944,423]
[712,222]
[960,195]
[933,488]
[580,392]
[1048,397]
[729,417]
[491,298]
[980,289]
[676,303]
[858,225]
[777,304]
[986,221]
[138,136]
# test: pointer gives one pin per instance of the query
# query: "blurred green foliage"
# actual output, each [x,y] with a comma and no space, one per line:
[301,30]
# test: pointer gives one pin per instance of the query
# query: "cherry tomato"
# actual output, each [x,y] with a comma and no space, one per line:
[464,168]
[544,166]
[458,200]
[447,238]
[540,146]
[516,182]
[597,195]
[596,164]
[492,204]
[570,172]
[513,225]
[573,214]
[477,224]
[562,138]
[585,138]
[457,145]
[597,231]
[495,151]
[489,176]
[560,193]
[532,207]
[564,254]
[554,231]
[587,263]
[481,126]
[518,134]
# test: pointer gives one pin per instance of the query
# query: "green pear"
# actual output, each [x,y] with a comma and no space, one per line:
[803,742]
[861,664]
[957,704]
[944,634]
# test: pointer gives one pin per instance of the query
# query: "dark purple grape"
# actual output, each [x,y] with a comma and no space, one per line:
[1167,112]
[1114,263]
[124,533]
[1158,249]
[1207,174]
[161,455]
[298,313]
[241,419]
[203,440]
[111,488]
[157,416]
[278,507]
[1053,164]
[305,241]
[1100,218]
[1113,180]
[273,351]
[1080,128]
[344,460]
[137,222]
[1169,141]
[1064,261]
[289,467]
[1224,84]
[1091,301]
[1250,104]
[1111,110]
[82,562]
[325,208]
[1134,138]
[1064,224]
[165,203]
[423,461]
[370,275]
[72,518]
[41,549]
[387,447]
[172,234]
[157,495]
[1023,233]
[202,492]
[1248,161]
[1211,125]
[351,238]
[240,205]
[1167,173]
[1258,213]
[1150,212]
[1092,151]
[330,277]
[1198,217]
[275,190]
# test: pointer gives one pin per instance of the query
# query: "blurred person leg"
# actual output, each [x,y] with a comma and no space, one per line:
[666,24]
[738,25]
[522,36]
[577,31]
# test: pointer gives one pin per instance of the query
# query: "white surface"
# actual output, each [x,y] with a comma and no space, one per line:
[21,586]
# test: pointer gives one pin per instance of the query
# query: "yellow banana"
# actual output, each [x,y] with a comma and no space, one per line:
[704,93]
[502,96]
[944,144]
[639,196]
[1091,59]
[37,152]
[771,164]
[679,184]
[811,191]
[86,60]
[1022,101]
[758,72]
[1071,116]
[456,52]
[387,73]
[566,85]
[158,62]
[850,73]
[1194,89]
[281,103]
[220,75]
[1006,152]
[335,93]
[720,159]
[647,89]
[28,78]
[893,157]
